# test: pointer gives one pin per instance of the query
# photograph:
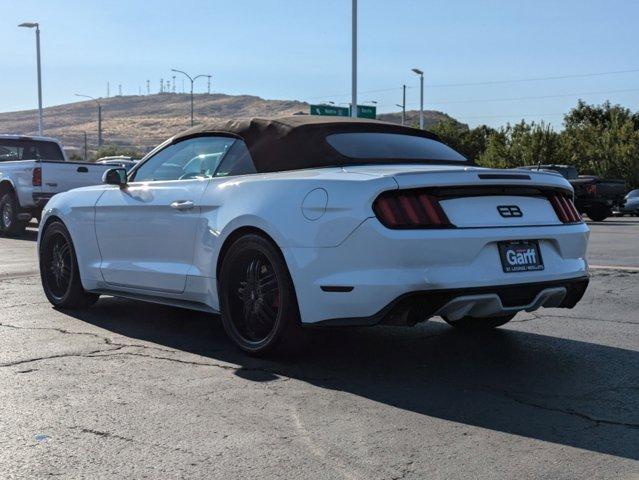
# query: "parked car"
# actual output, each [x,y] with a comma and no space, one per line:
[630,205]
[316,221]
[32,170]
[594,196]
[119,161]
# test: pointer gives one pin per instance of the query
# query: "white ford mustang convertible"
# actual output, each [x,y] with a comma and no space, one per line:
[282,223]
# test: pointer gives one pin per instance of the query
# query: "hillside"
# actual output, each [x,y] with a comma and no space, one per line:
[144,121]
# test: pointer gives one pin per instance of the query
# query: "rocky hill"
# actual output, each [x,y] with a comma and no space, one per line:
[143,121]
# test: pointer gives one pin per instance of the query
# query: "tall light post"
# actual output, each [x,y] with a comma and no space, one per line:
[421,97]
[192,79]
[37,27]
[354,62]
[99,116]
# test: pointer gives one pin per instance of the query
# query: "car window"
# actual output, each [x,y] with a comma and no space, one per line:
[193,158]
[633,194]
[391,146]
[237,161]
[24,149]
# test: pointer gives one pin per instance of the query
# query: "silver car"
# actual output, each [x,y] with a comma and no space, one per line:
[631,204]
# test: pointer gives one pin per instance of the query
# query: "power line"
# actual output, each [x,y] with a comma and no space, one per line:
[538,97]
[490,82]
[534,79]
[520,115]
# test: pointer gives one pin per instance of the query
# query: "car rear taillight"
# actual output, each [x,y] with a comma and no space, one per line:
[410,209]
[564,208]
[36,180]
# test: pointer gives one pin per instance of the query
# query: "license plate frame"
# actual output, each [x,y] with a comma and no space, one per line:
[520,256]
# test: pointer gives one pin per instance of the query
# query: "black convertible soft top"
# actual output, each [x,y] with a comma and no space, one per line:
[299,141]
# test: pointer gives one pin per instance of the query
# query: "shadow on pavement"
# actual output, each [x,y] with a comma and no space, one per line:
[616,223]
[29,235]
[552,389]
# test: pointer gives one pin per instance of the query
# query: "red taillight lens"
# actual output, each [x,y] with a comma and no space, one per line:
[564,208]
[410,209]
[36,180]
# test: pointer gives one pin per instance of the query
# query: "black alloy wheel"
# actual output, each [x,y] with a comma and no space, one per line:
[59,270]
[258,303]
[10,225]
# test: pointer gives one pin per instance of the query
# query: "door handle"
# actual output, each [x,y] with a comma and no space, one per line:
[182,205]
[82,170]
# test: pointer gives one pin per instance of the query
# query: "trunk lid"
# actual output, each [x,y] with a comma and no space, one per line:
[474,197]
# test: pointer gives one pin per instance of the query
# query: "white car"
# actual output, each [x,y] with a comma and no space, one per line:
[302,220]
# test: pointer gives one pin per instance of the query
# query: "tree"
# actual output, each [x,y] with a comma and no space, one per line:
[115,150]
[603,140]
[522,144]
[469,142]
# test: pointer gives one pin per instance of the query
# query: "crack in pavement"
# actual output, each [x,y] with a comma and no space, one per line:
[539,316]
[109,435]
[56,356]
[234,368]
[568,411]
[119,346]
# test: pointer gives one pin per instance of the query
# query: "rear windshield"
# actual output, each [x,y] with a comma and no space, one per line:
[23,149]
[392,146]
[568,172]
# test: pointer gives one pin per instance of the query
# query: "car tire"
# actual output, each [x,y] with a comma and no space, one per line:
[59,270]
[486,323]
[9,209]
[599,214]
[257,298]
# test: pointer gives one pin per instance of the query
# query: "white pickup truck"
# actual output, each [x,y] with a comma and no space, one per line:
[32,170]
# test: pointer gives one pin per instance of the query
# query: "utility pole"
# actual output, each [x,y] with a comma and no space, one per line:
[173,83]
[354,61]
[148,87]
[86,157]
[161,85]
[120,90]
[208,87]
[403,105]
[421,97]
[37,32]
[192,79]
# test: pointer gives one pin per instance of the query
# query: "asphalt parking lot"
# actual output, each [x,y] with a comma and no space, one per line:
[131,390]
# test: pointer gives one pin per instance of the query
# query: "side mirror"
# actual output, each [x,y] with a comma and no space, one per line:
[115,176]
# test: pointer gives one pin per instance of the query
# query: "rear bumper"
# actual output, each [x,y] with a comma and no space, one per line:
[376,266]
[414,307]
[40,199]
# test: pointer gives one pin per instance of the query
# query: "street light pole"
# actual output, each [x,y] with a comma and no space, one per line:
[192,79]
[37,27]
[99,116]
[421,97]
[354,60]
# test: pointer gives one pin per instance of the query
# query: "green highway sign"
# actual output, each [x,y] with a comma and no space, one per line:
[363,111]
[366,111]
[330,110]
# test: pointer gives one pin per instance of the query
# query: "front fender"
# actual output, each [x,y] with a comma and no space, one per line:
[76,210]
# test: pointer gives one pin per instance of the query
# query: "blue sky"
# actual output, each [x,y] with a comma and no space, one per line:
[294,49]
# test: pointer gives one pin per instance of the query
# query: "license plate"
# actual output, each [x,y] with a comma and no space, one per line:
[520,256]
